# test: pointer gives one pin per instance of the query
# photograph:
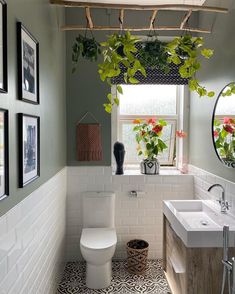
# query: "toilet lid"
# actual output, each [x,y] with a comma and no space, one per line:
[98,238]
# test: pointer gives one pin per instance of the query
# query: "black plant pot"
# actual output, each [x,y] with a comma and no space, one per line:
[120,51]
[119,154]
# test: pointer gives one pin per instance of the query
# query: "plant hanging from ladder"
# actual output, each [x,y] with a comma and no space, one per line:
[118,52]
[87,48]
[185,51]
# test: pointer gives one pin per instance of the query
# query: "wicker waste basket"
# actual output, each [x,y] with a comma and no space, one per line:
[137,254]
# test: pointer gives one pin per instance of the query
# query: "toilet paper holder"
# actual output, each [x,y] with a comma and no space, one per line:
[136,194]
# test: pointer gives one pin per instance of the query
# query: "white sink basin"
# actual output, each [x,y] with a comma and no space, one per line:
[197,223]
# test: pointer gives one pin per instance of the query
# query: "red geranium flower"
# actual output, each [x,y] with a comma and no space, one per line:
[216,134]
[157,129]
[151,121]
[228,120]
[229,129]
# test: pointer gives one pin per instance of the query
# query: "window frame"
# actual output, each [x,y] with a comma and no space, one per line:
[181,120]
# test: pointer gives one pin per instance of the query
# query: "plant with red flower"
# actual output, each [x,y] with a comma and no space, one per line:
[224,136]
[148,135]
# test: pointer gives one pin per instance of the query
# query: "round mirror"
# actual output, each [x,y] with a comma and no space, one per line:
[223,125]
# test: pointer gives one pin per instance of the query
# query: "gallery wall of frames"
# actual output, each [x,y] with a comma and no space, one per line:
[28,91]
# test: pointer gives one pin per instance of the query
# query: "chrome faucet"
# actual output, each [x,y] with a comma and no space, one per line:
[224,205]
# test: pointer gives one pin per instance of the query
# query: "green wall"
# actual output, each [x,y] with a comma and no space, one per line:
[85,91]
[216,73]
[41,20]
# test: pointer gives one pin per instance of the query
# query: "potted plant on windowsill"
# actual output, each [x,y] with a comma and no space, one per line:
[148,134]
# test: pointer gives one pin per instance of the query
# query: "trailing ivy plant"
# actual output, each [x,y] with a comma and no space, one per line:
[185,52]
[229,91]
[153,54]
[87,48]
[119,51]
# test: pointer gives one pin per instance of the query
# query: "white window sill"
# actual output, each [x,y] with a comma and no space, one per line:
[163,171]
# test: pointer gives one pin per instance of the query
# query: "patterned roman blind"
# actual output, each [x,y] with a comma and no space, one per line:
[154,76]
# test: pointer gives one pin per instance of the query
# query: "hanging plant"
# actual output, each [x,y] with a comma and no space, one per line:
[185,51]
[119,51]
[153,54]
[229,91]
[87,48]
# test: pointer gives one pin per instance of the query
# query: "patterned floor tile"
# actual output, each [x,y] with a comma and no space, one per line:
[152,282]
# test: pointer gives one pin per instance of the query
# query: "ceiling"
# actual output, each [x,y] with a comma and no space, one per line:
[147,2]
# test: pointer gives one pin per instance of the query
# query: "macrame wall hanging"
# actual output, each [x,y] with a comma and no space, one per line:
[89,143]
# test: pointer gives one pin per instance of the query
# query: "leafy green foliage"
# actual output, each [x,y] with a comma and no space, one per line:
[185,51]
[147,136]
[87,48]
[119,50]
[154,55]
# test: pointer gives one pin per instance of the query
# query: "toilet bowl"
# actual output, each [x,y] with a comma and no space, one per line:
[97,247]
[98,239]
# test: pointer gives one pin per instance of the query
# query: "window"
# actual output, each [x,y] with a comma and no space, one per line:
[145,102]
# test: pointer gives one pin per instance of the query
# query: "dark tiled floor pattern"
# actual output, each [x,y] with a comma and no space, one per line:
[153,281]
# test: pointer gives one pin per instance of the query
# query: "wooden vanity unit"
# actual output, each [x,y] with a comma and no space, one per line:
[191,270]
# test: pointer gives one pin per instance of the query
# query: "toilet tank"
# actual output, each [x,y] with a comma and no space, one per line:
[98,209]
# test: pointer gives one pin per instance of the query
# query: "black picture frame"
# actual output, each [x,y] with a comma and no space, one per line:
[3,54]
[228,165]
[27,53]
[4,192]
[32,174]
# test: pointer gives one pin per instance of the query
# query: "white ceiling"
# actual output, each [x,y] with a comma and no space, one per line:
[147,2]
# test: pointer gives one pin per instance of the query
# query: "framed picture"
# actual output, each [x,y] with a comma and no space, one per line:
[4,154]
[3,47]
[29,148]
[28,65]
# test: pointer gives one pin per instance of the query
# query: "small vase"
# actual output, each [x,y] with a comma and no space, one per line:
[150,167]
[119,154]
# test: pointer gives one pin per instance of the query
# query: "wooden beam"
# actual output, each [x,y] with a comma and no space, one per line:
[185,19]
[121,18]
[152,19]
[89,18]
[106,28]
[184,7]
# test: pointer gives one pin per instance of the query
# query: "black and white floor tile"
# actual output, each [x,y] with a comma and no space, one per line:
[152,282]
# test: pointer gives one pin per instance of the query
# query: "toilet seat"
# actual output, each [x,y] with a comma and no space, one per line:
[98,238]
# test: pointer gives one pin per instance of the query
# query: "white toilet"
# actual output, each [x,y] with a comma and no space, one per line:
[98,240]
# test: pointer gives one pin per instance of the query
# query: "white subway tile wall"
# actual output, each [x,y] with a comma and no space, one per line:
[203,180]
[139,217]
[32,239]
